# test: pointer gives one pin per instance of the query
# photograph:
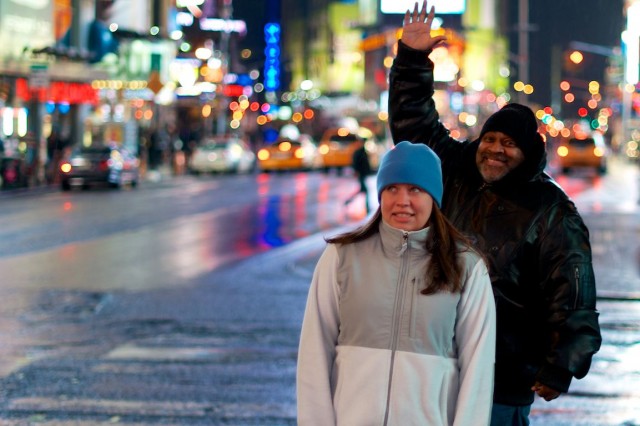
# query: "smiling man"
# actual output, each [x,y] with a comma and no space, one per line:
[537,245]
[504,138]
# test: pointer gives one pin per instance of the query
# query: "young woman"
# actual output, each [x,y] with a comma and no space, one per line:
[399,327]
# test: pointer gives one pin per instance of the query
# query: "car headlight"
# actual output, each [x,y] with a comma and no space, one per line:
[563,151]
[263,154]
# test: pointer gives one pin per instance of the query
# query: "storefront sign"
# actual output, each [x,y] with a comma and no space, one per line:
[57,92]
[39,76]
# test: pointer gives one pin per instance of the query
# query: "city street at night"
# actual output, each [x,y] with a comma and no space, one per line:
[180,302]
[170,172]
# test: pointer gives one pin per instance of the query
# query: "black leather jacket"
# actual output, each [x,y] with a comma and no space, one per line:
[534,239]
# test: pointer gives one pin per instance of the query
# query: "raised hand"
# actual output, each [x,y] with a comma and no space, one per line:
[416,28]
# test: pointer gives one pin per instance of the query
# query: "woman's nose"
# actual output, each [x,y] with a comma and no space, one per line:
[402,198]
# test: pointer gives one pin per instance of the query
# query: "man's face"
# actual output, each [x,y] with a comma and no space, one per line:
[497,155]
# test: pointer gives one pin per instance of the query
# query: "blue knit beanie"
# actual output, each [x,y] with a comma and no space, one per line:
[412,163]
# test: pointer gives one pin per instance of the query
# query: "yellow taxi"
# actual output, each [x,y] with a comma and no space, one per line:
[584,151]
[337,146]
[288,154]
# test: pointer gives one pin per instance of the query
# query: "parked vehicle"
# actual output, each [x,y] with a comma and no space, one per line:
[632,150]
[288,154]
[222,154]
[101,164]
[589,151]
[338,144]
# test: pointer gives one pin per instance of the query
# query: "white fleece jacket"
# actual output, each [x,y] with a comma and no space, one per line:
[374,351]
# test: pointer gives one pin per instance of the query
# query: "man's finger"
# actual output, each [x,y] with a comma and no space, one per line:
[423,11]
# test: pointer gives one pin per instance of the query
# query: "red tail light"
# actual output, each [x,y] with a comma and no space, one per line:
[65,167]
[104,165]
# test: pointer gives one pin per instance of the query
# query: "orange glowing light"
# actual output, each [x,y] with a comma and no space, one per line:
[284,146]
[576,57]
[263,154]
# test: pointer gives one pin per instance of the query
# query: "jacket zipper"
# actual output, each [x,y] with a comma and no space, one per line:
[397,317]
[576,273]
[471,202]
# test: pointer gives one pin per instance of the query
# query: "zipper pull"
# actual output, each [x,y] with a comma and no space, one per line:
[405,243]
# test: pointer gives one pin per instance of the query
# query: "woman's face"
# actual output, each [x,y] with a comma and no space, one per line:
[405,206]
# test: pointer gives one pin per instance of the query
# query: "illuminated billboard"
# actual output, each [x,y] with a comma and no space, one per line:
[25,24]
[442,6]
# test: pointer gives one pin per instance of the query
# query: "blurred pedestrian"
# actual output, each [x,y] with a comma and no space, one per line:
[537,245]
[55,147]
[159,145]
[399,326]
[362,169]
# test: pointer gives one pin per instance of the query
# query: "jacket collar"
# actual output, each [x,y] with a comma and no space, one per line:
[396,241]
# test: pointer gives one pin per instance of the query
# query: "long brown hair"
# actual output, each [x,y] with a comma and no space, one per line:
[445,243]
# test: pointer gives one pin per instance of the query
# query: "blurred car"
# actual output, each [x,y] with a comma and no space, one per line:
[338,144]
[589,151]
[288,154]
[228,154]
[632,150]
[99,164]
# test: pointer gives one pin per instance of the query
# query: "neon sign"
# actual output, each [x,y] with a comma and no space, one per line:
[58,92]
[272,56]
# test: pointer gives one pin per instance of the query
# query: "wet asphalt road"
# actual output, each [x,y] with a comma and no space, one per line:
[222,350]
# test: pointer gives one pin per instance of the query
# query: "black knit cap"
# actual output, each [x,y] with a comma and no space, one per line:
[519,122]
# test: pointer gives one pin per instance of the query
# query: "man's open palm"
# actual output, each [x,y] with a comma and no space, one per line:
[416,28]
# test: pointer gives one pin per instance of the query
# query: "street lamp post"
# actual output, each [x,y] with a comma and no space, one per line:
[631,65]
[226,13]
[523,45]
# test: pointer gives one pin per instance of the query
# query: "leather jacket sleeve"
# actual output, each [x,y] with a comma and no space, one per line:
[412,112]
[569,292]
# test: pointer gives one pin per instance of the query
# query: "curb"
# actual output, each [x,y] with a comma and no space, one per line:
[618,296]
